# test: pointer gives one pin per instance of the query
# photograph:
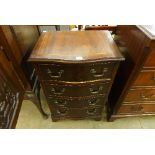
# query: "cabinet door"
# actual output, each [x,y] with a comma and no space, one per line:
[11,93]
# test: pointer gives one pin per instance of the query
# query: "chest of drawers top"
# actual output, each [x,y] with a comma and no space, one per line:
[75,47]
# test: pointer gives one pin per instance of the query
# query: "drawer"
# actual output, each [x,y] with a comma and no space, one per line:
[150,62]
[140,94]
[137,109]
[52,89]
[76,72]
[129,109]
[76,112]
[77,103]
[145,78]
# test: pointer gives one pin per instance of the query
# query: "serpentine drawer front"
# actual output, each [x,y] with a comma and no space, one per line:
[58,89]
[60,113]
[76,71]
[87,102]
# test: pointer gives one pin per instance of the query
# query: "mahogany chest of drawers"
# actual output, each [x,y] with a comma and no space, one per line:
[135,79]
[76,71]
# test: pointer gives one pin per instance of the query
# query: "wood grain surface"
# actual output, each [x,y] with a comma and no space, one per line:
[75,46]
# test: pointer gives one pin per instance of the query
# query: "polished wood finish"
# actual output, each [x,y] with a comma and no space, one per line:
[76,71]
[135,80]
[8,40]
[139,108]
[9,68]
[87,102]
[97,88]
[150,63]
[75,46]
[140,94]
[87,113]
[145,78]
[12,51]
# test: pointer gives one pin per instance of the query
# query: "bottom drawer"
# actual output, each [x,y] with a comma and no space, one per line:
[75,113]
[137,109]
[77,103]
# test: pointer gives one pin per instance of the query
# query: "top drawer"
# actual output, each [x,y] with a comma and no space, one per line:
[146,78]
[150,61]
[76,72]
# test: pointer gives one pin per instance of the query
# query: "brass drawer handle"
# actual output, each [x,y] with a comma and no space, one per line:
[62,111]
[59,102]
[91,111]
[145,97]
[140,108]
[97,75]
[134,108]
[93,102]
[58,93]
[153,78]
[95,91]
[55,75]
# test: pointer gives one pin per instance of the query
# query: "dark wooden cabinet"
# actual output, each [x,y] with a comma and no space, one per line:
[135,79]
[11,93]
[76,71]
[12,79]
